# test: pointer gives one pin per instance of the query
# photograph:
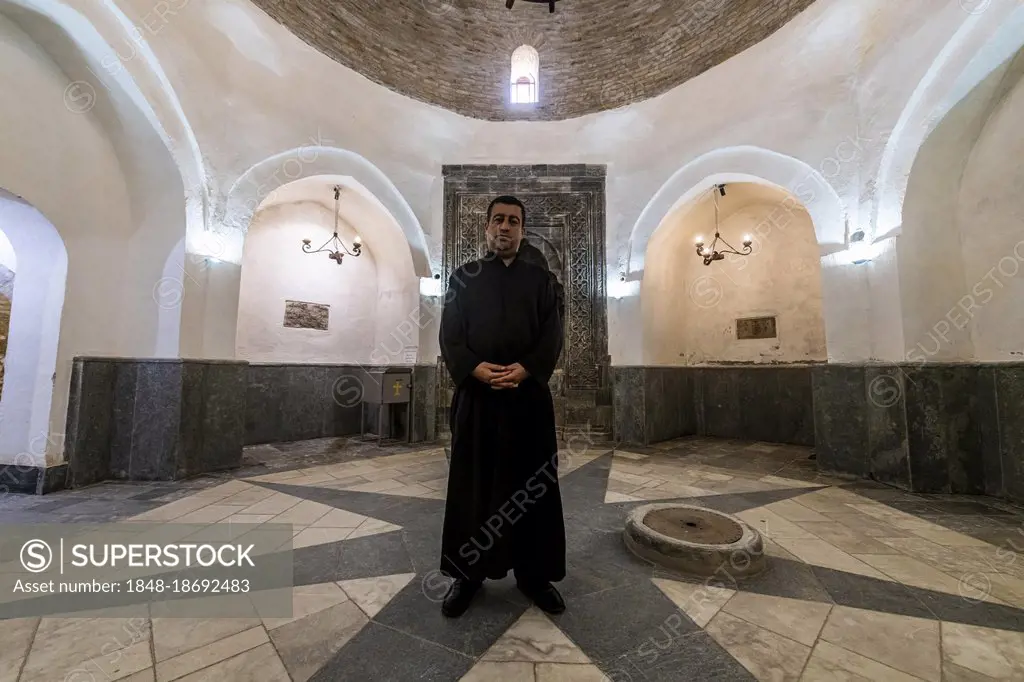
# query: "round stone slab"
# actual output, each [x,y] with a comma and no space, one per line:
[695,540]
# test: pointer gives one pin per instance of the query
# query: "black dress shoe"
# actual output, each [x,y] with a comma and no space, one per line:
[545,596]
[459,597]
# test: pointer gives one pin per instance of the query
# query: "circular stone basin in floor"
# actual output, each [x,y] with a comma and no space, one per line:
[694,540]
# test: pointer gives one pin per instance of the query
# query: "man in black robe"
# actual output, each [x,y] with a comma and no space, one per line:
[500,339]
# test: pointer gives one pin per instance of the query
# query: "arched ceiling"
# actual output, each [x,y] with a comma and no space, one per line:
[594,54]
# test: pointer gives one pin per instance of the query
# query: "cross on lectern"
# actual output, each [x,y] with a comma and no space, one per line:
[398,387]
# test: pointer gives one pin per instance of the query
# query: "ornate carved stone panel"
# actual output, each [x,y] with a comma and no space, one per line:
[565,219]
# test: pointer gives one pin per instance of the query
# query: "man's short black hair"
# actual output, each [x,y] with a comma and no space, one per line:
[508,200]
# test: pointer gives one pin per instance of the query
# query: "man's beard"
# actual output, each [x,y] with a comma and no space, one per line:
[503,246]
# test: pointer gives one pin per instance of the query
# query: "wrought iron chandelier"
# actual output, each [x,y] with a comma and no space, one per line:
[549,3]
[712,253]
[337,246]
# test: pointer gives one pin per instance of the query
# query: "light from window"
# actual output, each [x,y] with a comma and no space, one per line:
[525,73]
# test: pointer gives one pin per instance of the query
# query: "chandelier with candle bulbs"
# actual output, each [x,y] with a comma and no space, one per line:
[336,245]
[719,247]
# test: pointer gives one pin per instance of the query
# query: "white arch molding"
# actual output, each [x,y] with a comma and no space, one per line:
[261,180]
[125,96]
[983,42]
[741,164]
[95,27]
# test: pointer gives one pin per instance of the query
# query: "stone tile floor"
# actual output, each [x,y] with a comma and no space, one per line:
[865,582]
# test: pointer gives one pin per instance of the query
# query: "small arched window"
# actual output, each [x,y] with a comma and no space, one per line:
[524,75]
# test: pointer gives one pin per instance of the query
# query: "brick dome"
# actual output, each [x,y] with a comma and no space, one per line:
[594,54]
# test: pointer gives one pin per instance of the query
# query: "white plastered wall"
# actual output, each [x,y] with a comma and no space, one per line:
[961,249]
[374,297]
[275,269]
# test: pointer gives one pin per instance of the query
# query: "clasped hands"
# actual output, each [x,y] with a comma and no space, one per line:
[500,377]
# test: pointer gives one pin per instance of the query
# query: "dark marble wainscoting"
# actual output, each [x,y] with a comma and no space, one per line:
[153,419]
[752,402]
[289,402]
[933,428]
[166,419]
[32,480]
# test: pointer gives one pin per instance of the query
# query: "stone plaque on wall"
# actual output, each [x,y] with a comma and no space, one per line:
[756,328]
[301,315]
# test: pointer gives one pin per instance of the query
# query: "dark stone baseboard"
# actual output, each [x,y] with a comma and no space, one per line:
[169,419]
[32,480]
[153,419]
[289,401]
[770,403]
[932,428]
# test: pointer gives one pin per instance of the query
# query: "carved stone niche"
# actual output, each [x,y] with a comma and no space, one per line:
[565,219]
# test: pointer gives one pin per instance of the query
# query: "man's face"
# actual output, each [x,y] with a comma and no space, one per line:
[505,230]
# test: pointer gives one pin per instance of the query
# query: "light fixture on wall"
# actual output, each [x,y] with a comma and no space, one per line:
[337,246]
[860,250]
[716,252]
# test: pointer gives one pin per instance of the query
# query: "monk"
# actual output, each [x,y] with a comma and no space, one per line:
[500,337]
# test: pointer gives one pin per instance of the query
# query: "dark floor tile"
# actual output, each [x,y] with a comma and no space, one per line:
[782,578]
[365,557]
[417,613]
[585,576]
[641,450]
[154,494]
[1007,539]
[102,510]
[880,490]
[423,543]
[862,592]
[733,503]
[54,505]
[972,524]
[956,609]
[916,508]
[380,653]
[809,475]
[397,509]
[696,657]
[967,508]
[623,621]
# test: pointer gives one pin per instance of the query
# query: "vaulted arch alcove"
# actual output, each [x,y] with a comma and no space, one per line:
[704,314]
[296,306]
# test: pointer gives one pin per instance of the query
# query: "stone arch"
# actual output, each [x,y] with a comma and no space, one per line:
[983,42]
[742,164]
[264,178]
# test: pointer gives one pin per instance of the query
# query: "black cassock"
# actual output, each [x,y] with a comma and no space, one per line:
[503,509]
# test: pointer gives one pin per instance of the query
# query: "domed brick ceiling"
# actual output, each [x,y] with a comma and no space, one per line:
[594,54]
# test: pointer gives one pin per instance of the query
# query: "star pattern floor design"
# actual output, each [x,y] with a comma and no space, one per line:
[866,582]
